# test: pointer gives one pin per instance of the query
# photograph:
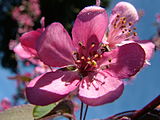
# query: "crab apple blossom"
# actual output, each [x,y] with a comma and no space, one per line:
[121,29]
[84,64]
[5,104]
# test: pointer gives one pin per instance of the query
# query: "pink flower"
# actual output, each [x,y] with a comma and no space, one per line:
[5,104]
[84,63]
[121,29]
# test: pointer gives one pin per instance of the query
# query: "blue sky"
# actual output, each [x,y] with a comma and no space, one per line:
[142,90]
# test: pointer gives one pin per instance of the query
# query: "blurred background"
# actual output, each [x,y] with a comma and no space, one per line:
[19,16]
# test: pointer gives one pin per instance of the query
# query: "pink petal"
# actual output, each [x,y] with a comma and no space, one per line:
[51,87]
[55,46]
[148,47]
[99,93]
[29,39]
[125,61]
[124,9]
[122,20]
[90,26]
[19,50]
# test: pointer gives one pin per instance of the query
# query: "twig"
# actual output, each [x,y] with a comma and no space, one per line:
[85,112]
[147,108]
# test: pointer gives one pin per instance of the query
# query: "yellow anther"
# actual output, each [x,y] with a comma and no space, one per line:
[124,21]
[82,58]
[81,44]
[92,45]
[78,61]
[134,33]
[89,62]
[94,63]
[88,58]
[130,23]
[134,28]
[124,18]
[96,55]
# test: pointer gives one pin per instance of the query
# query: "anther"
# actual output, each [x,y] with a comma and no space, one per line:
[118,16]
[134,33]
[123,18]
[78,61]
[82,58]
[134,28]
[81,45]
[88,58]
[124,21]
[93,45]
[109,60]
[96,55]
[130,23]
[129,30]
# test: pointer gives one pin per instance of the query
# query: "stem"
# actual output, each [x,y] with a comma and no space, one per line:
[81,111]
[85,112]
[149,107]
[98,2]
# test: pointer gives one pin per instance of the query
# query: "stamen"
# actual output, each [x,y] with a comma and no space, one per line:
[118,16]
[93,45]
[96,88]
[82,58]
[96,56]
[104,67]
[81,45]
[134,28]
[88,58]
[109,60]
[78,61]
[130,24]
[134,33]
[129,30]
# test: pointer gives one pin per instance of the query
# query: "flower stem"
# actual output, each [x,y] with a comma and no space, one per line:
[85,112]
[81,111]
[154,103]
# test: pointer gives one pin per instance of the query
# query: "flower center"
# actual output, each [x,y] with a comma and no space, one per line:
[86,59]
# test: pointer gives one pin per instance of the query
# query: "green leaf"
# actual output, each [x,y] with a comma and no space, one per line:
[41,111]
[64,108]
[23,112]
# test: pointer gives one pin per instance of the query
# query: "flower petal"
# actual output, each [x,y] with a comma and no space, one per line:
[51,87]
[103,89]
[121,25]
[124,9]
[29,39]
[55,46]
[125,61]
[19,50]
[148,47]
[90,26]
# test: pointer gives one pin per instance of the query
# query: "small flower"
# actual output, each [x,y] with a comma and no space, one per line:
[84,64]
[121,29]
[5,104]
